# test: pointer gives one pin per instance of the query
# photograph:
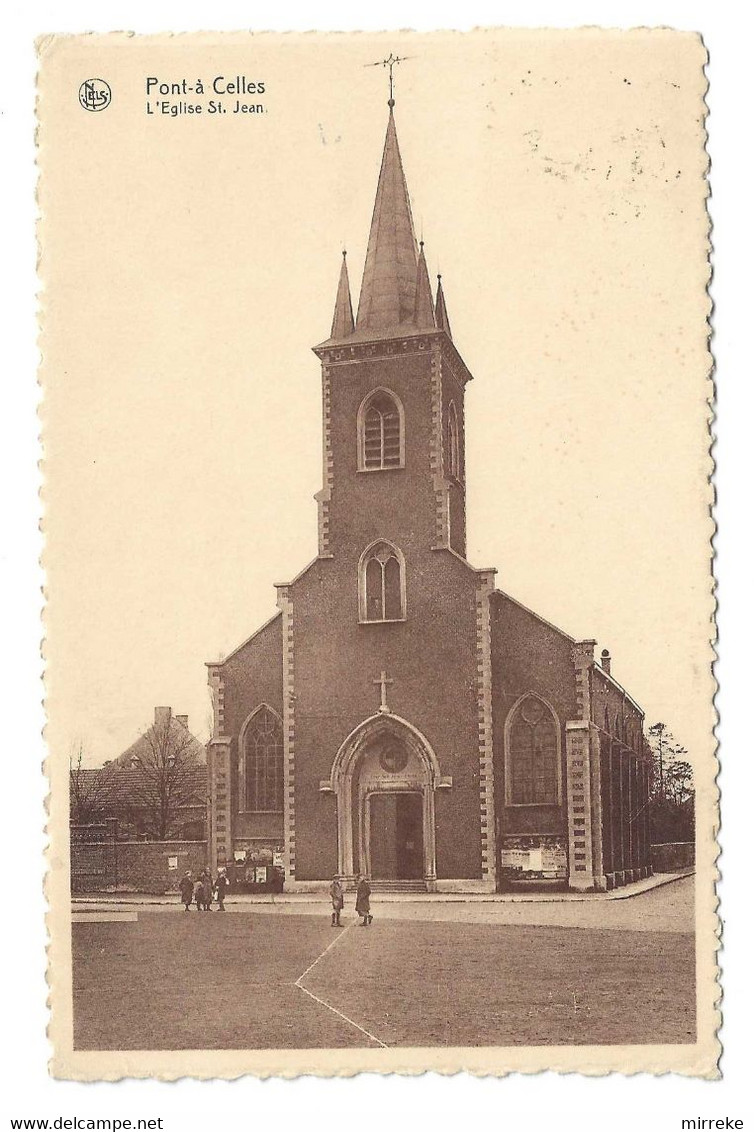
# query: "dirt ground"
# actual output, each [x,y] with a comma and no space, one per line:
[439,974]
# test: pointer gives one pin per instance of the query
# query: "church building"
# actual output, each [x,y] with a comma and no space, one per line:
[400,716]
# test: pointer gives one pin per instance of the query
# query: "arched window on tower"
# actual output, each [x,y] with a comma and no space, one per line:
[382,583]
[452,443]
[262,762]
[380,432]
[532,754]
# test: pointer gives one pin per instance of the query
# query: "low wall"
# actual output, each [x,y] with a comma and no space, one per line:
[672,856]
[145,866]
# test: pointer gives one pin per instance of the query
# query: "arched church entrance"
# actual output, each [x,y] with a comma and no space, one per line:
[394,840]
[384,778]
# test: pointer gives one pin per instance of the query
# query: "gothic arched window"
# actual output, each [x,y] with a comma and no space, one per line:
[532,752]
[452,442]
[262,762]
[380,429]
[382,584]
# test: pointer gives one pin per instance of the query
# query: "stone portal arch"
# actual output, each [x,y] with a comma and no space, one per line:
[383,755]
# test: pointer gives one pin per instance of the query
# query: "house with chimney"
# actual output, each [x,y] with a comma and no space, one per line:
[155,790]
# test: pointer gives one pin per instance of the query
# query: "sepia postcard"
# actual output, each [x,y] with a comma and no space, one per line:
[376,400]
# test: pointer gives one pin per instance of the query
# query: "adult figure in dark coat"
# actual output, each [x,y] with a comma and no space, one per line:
[187,890]
[363,893]
[205,893]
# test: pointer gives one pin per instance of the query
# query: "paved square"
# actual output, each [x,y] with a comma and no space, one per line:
[432,975]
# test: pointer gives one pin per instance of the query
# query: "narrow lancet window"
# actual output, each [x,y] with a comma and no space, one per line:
[452,444]
[263,761]
[382,588]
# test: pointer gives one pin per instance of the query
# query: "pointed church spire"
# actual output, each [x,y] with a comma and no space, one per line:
[342,320]
[389,283]
[441,311]
[424,315]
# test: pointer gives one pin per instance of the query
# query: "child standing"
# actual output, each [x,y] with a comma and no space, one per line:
[220,886]
[336,896]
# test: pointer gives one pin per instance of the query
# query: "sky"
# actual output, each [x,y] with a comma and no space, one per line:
[189,263]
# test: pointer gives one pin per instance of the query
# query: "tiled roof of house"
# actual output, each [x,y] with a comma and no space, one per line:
[117,787]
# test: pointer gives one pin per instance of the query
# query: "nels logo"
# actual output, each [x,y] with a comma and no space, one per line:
[95,94]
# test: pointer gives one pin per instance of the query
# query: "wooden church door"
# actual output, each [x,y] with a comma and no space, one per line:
[396,836]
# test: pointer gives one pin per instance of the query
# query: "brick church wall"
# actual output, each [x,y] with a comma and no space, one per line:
[432,659]
[453,391]
[625,781]
[252,675]
[528,655]
[370,505]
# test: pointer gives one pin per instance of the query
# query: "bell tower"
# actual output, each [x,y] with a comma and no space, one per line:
[393,387]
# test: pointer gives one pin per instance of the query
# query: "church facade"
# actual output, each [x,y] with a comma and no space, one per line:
[400,716]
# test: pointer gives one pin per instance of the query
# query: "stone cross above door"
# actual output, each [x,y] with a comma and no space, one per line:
[383,681]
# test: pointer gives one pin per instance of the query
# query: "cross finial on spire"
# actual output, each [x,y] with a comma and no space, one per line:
[390,62]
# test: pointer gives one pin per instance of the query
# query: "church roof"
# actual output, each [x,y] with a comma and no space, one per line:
[388,286]
[342,322]
[396,297]
[441,310]
[424,314]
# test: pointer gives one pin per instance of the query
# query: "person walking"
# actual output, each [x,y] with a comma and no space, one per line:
[336,896]
[187,890]
[199,894]
[221,883]
[363,893]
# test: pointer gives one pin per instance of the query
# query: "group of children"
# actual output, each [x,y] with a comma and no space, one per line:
[202,890]
[363,893]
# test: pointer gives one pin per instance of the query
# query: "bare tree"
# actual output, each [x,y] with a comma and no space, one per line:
[672,791]
[164,780]
[89,789]
[659,738]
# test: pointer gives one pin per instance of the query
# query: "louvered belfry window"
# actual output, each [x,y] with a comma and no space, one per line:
[263,750]
[533,765]
[381,440]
